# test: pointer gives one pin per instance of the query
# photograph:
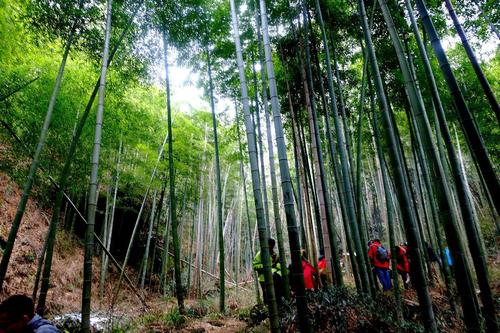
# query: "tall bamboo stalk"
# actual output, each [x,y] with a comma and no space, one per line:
[286,184]
[92,203]
[270,297]
[274,186]
[28,185]
[171,173]
[443,196]
[136,224]
[490,96]
[472,134]
[462,188]
[402,192]
[220,222]
[260,145]
[345,173]
[65,171]
[247,211]
[148,243]
[109,232]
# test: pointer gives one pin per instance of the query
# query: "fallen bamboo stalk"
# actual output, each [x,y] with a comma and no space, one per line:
[234,284]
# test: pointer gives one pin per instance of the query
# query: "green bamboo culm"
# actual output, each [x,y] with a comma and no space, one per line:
[447,217]
[247,210]
[260,147]
[490,96]
[428,317]
[472,134]
[65,171]
[173,201]
[466,206]
[286,184]
[391,219]
[145,258]
[16,223]
[344,163]
[18,89]
[50,238]
[220,223]
[92,201]
[272,170]
[270,297]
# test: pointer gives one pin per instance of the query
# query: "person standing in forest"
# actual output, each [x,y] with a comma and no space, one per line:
[310,273]
[17,314]
[276,269]
[403,265]
[433,258]
[323,277]
[379,258]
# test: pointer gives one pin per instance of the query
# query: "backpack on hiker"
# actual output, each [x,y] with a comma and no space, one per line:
[382,254]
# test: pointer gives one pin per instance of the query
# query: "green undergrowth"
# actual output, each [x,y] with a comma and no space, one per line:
[160,322]
[344,310]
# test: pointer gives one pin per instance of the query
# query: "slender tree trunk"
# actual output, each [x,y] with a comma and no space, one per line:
[65,172]
[260,146]
[16,223]
[397,167]
[270,296]
[391,221]
[148,243]
[276,209]
[346,182]
[274,186]
[41,259]
[462,188]
[328,224]
[293,232]
[472,134]
[244,180]
[490,96]
[220,223]
[318,190]
[104,236]
[92,203]
[447,217]
[173,211]
[343,111]
[137,221]
[18,89]
[107,240]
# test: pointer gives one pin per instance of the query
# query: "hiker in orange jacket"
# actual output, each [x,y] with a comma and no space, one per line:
[379,258]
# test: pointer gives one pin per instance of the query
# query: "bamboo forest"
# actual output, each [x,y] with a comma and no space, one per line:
[249,166]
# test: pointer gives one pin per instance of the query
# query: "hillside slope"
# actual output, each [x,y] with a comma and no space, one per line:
[67,274]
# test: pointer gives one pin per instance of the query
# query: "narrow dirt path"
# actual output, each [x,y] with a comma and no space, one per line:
[228,324]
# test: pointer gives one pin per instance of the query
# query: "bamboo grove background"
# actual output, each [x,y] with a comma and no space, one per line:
[328,123]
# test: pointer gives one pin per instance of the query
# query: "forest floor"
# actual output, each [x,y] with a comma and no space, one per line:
[67,276]
[161,314]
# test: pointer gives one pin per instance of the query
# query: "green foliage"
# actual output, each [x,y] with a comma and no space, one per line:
[343,310]
[173,319]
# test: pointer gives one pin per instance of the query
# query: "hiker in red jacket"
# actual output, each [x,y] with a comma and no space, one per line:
[309,273]
[379,258]
[323,278]
[403,265]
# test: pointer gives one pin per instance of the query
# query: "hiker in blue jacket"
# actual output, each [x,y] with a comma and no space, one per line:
[17,315]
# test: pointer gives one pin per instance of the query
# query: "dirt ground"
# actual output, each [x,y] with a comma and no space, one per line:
[214,326]
[67,269]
